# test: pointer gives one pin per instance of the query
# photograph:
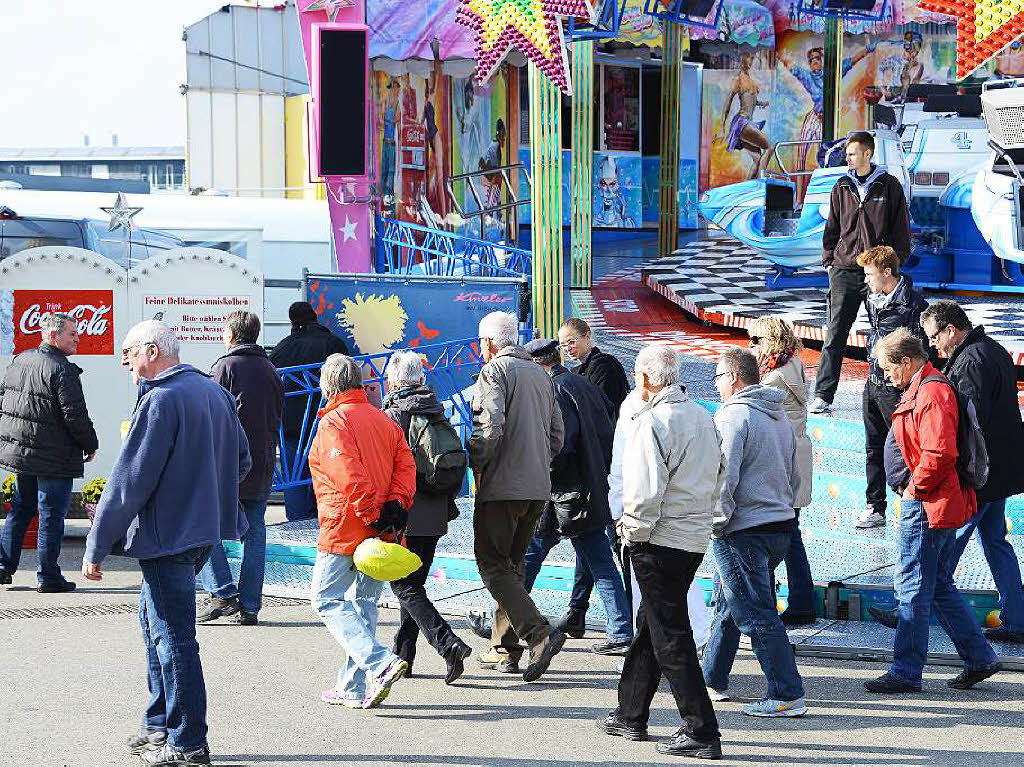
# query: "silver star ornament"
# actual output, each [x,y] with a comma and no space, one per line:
[121,214]
[330,7]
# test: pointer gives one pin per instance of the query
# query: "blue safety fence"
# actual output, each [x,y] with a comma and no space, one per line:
[404,248]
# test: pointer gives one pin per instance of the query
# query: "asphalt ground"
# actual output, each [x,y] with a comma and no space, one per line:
[72,688]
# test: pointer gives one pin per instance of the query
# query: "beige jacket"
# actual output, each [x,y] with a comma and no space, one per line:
[792,381]
[672,469]
[517,429]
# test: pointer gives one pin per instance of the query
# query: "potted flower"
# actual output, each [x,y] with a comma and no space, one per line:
[7,492]
[91,495]
[7,496]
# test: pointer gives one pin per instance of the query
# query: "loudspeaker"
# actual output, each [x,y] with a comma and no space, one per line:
[342,102]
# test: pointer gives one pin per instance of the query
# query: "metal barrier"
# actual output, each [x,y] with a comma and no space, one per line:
[403,248]
[449,370]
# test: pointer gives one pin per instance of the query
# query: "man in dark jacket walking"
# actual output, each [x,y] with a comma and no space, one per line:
[253,381]
[172,496]
[428,522]
[867,208]
[893,302]
[46,436]
[309,343]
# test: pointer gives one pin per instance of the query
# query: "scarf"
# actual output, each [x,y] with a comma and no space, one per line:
[774,361]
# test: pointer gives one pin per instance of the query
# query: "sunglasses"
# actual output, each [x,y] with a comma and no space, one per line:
[755,340]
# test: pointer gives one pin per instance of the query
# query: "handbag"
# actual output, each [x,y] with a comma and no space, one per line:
[385,561]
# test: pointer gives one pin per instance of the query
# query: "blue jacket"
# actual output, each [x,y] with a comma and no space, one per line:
[174,485]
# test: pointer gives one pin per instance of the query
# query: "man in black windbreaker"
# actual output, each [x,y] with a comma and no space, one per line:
[893,302]
[46,436]
[309,343]
[867,208]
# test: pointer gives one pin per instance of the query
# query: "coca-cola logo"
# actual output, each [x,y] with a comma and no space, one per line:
[92,311]
[90,320]
[483,298]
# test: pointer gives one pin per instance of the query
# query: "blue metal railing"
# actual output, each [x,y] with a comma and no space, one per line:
[403,248]
[449,370]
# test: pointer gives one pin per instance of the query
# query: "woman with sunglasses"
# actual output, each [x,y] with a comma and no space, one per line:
[777,349]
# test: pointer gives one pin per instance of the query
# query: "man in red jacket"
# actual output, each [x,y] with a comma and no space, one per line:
[935,502]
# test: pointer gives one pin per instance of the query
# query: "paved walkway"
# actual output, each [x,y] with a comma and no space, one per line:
[72,687]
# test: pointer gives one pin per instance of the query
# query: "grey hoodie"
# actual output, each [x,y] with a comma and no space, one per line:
[761,468]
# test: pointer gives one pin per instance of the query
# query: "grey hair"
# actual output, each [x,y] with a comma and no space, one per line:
[157,333]
[339,374]
[501,327]
[743,363]
[898,344]
[54,323]
[405,368]
[659,363]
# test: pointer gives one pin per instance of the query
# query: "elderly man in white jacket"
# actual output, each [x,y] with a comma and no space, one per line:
[671,469]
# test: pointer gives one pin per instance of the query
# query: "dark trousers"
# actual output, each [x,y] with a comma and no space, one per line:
[502,531]
[417,613]
[50,498]
[583,580]
[664,643]
[299,501]
[798,574]
[846,292]
[879,403]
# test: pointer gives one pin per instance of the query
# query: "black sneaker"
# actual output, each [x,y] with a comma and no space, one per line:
[455,658]
[541,655]
[966,679]
[612,725]
[998,634]
[479,624]
[790,618]
[147,740]
[56,587]
[218,608]
[168,754]
[682,744]
[888,683]
[887,618]
[611,648]
[246,618]
[572,624]
[5,577]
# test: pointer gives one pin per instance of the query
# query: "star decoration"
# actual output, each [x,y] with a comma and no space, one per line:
[983,28]
[349,230]
[532,26]
[121,214]
[330,7]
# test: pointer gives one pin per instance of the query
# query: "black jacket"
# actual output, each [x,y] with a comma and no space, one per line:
[45,427]
[429,514]
[607,374]
[306,345]
[983,370]
[253,381]
[853,226]
[579,473]
[902,310]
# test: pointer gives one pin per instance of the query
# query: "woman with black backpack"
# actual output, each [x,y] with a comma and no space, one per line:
[440,469]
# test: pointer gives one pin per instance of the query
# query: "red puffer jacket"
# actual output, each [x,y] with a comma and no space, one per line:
[925,425]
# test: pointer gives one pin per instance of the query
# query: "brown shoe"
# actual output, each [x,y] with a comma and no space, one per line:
[541,655]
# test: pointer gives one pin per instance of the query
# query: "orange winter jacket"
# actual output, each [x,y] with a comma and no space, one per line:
[359,460]
[925,425]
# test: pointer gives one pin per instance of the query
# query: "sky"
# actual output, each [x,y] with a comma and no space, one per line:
[98,67]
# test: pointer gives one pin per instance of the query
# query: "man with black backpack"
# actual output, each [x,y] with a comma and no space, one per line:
[937,500]
[440,470]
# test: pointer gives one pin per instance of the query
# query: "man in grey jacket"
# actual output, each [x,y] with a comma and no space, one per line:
[671,473]
[752,529]
[517,430]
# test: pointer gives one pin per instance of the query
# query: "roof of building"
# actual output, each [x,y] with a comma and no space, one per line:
[91,153]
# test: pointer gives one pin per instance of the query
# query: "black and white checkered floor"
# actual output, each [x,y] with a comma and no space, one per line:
[723,282]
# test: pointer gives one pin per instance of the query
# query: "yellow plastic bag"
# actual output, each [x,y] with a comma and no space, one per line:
[385,561]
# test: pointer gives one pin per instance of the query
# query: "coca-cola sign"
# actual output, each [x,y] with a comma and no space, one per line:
[92,310]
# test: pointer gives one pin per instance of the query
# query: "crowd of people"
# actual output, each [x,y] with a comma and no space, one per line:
[642,481]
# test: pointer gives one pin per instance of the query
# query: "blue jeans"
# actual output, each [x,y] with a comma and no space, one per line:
[49,497]
[595,554]
[745,602]
[583,580]
[989,525]
[798,574]
[923,581]
[346,601]
[167,614]
[216,575]
[299,501]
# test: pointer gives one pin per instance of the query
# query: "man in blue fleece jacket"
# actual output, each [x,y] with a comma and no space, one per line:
[172,495]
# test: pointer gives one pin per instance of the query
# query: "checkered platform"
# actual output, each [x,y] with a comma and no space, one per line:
[722,282]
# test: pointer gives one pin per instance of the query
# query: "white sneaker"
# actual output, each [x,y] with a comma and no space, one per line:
[870,518]
[776,708]
[718,696]
[820,406]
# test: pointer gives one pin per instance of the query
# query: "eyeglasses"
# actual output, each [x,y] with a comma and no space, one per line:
[716,376]
[570,342]
[935,335]
[129,351]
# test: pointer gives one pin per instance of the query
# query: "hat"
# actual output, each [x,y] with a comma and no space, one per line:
[541,347]
[301,313]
